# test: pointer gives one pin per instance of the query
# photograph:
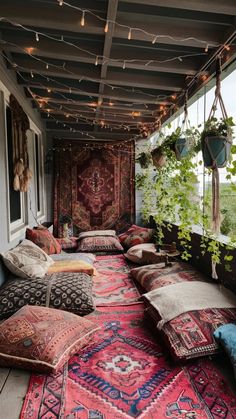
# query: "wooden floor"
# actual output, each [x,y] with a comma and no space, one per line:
[14,384]
[13,387]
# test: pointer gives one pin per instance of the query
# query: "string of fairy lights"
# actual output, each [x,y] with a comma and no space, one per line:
[145,128]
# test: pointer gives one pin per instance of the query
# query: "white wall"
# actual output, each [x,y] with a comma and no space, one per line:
[9,85]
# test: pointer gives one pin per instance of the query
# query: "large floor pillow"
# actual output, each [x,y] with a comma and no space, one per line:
[43,339]
[156,276]
[145,253]
[100,244]
[190,335]
[65,290]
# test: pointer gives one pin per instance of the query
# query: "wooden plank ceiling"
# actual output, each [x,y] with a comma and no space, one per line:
[112,69]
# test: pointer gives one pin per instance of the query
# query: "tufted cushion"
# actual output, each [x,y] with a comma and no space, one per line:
[44,239]
[27,260]
[156,276]
[64,290]
[136,235]
[226,336]
[43,339]
[100,244]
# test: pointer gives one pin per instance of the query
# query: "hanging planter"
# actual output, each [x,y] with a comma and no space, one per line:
[144,159]
[158,157]
[216,141]
[181,148]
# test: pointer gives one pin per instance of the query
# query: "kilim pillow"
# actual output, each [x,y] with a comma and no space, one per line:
[136,235]
[63,290]
[27,260]
[43,339]
[44,239]
[156,276]
[98,244]
[190,335]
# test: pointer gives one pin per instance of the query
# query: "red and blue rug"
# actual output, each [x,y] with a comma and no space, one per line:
[125,374]
[113,285]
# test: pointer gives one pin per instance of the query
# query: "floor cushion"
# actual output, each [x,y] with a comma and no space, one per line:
[63,290]
[143,253]
[68,265]
[98,244]
[68,243]
[27,260]
[158,275]
[43,339]
[44,239]
[97,233]
[226,336]
[86,257]
[190,335]
[136,235]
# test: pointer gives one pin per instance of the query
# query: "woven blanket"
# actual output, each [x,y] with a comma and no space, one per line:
[176,299]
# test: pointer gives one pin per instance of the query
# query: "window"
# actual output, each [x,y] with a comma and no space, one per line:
[16,199]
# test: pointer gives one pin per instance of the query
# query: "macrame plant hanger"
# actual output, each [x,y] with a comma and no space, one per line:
[216,218]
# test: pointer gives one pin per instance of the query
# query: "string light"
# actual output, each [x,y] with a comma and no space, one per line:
[206,48]
[123,66]
[96,61]
[48,90]
[106,27]
[32,74]
[129,34]
[47,66]
[37,36]
[227,47]
[60,2]
[154,40]
[82,22]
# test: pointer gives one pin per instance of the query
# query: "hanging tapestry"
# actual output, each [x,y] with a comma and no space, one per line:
[94,186]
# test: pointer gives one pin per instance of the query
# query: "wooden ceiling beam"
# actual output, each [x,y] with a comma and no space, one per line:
[227,7]
[119,78]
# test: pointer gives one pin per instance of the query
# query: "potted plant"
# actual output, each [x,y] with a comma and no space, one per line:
[183,142]
[158,157]
[216,141]
[144,159]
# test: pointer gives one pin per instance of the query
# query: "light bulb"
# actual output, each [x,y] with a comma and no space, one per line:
[129,34]
[106,27]
[37,37]
[82,22]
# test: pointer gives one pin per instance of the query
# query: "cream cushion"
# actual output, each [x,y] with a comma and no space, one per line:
[27,260]
[135,253]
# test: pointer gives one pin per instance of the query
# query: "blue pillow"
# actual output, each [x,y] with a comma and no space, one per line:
[226,335]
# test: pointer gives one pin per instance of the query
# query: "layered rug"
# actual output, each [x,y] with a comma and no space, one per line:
[113,285]
[125,374]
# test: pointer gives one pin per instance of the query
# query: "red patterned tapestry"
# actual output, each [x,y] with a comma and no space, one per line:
[125,374]
[94,186]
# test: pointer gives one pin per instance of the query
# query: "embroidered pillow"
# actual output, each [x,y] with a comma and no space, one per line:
[98,244]
[136,235]
[44,239]
[43,339]
[63,290]
[27,260]
[190,335]
[69,243]
[156,276]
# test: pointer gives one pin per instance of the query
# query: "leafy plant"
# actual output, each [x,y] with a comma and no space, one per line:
[218,127]
[144,159]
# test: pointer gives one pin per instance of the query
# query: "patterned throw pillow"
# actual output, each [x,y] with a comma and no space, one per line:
[104,244]
[136,235]
[44,239]
[27,260]
[69,243]
[190,335]
[156,276]
[64,290]
[43,339]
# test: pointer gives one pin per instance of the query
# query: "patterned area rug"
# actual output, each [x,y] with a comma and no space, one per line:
[124,374]
[113,285]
